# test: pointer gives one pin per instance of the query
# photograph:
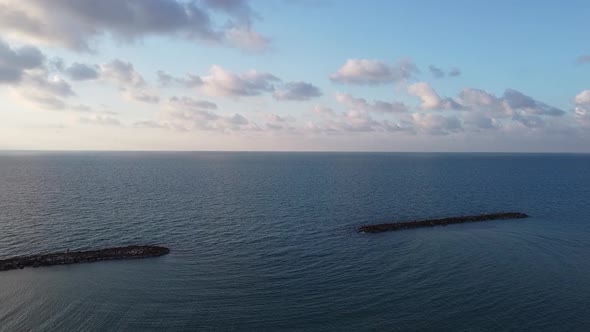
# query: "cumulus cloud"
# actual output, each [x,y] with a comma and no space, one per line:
[297,91]
[100,120]
[189,81]
[80,24]
[372,72]
[14,61]
[582,109]
[486,111]
[45,91]
[221,82]
[528,105]
[480,121]
[142,95]
[357,119]
[122,73]
[276,122]
[454,72]
[436,72]
[323,110]
[246,38]
[188,103]
[435,124]
[130,82]
[187,114]
[430,100]
[81,72]
[378,106]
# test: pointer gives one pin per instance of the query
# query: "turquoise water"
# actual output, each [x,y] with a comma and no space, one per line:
[267,241]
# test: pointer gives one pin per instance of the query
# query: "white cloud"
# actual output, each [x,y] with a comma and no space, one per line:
[430,99]
[378,106]
[188,103]
[372,72]
[528,105]
[435,124]
[190,81]
[436,72]
[130,82]
[121,73]
[297,91]
[187,114]
[582,108]
[100,120]
[81,72]
[220,82]
[14,61]
[246,39]
[80,24]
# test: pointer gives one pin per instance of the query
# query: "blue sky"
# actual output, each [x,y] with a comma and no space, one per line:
[295,75]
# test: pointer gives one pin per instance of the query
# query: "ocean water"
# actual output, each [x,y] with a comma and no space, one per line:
[267,241]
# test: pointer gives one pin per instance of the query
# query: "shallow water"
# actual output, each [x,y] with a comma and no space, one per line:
[267,241]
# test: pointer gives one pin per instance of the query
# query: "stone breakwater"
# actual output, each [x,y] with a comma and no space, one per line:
[378,228]
[74,257]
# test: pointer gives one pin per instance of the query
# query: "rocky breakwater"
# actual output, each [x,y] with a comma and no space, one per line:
[378,228]
[74,257]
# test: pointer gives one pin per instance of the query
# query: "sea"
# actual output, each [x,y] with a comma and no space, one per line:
[268,241]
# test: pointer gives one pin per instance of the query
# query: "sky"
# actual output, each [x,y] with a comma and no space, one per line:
[295,75]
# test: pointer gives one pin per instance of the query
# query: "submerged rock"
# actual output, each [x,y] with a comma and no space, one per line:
[74,257]
[378,228]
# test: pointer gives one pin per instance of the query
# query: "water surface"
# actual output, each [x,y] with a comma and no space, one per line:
[267,241]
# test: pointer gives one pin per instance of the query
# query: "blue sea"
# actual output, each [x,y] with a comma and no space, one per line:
[268,241]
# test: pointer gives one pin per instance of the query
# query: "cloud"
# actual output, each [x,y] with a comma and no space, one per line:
[454,72]
[582,109]
[188,103]
[372,72]
[80,24]
[81,72]
[583,59]
[142,95]
[122,73]
[189,81]
[220,82]
[129,81]
[486,110]
[518,100]
[100,120]
[435,124]
[297,91]
[479,100]
[357,119]
[430,99]
[480,120]
[323,110]
[14,61]
[276,122]
[245,38]
[378,106]
[436,72]
[187,114]
[42,90]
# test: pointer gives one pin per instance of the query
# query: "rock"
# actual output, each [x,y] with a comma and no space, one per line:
[71,257]
[378,228]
